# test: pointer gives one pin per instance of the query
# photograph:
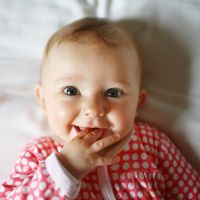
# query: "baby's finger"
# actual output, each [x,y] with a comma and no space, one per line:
[92,136]
[82,133]
[116,148]
[105,142]
[105,160]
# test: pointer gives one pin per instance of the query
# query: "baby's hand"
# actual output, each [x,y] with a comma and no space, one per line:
[83,153]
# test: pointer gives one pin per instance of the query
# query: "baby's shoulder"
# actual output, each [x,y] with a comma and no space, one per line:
[149,133]
[42,147]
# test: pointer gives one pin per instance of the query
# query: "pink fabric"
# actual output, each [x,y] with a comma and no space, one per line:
[151,167]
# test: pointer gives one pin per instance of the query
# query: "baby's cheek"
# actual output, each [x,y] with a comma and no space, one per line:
[123,121]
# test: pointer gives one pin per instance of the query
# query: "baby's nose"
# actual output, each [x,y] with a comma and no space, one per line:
[93,108]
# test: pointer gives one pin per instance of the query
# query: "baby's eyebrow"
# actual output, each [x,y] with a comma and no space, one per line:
[69,78]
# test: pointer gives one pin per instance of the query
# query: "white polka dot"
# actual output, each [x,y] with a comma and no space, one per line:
[126,166]
[115,167]
[54,198]
[143,131]
[135,138]
[117,187]
[166,164]
[135,146]
[144,156]
[127,147]
[17,183]
[45,172]
[172,150]
[180,170]
[195,190]
[17,198]
[24,161]
[130,186]
[30,197]
[32,164]
[141,175]
[42,186]
[182,164]
[147,148]
[151,141]
[25,168]
[170,157]
[171,170]
[188,171]
[132,194]
[25,190]
[123,186]
[140,194]
[27,154]
[145,165]
[185,189]
[2,189]
[44,153]
[190,196]
[18,168]
[175,176]
[36,192]
[9,181]
[33,184]
[185,177]
[181,183]
[35,150]
[175,190]
[175,163]
[115,176]
[135,156]
[190,183]
[156,143]
[136,165]
[126,157]
[144,139]
[180,196]
[48,193]
[122,176]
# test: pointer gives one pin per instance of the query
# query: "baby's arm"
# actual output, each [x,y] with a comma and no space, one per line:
[40,173]
[32,175]
[181,180]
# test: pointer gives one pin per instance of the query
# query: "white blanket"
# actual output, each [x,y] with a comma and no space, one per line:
[168,32]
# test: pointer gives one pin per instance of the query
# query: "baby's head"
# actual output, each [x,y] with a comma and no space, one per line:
[90,78]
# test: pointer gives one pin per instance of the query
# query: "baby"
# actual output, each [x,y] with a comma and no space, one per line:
[91,92]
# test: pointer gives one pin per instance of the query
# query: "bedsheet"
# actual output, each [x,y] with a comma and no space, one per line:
[167,32]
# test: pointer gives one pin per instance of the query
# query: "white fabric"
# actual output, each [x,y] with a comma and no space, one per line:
[167,32]
[68,184]
[105,184]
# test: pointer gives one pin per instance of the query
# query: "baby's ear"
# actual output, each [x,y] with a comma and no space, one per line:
[142,98]
[39,96]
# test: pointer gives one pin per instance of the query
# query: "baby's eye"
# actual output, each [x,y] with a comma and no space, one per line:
[71,91]
[114,92]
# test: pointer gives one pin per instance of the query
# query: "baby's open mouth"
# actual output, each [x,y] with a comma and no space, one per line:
[89,129]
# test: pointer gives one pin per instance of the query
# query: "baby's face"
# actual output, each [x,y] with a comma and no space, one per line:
[87,86]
